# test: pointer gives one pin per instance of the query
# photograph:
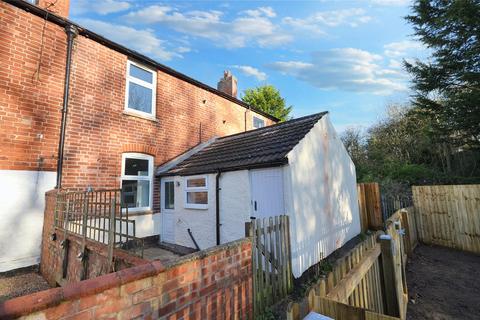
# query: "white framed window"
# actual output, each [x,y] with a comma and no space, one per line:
[137,181]
[168,194]
[258,122]
[141,90]
[196,192]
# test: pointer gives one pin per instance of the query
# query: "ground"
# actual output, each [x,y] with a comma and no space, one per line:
[154,252]
[443,284]
[21,282]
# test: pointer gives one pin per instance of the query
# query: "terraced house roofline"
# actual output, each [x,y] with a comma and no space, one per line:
[62,22]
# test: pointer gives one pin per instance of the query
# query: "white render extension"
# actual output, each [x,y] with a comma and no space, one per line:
[299,167]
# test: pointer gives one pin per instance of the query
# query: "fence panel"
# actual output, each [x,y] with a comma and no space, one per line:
[272,268]
[368,283]
[448,215]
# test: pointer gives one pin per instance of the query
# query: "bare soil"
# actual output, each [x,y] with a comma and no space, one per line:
[21,282]
[443,284]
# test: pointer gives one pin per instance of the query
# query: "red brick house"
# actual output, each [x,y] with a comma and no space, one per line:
[106,121]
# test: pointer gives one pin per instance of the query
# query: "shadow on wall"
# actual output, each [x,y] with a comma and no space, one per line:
[325,203]
[22,216]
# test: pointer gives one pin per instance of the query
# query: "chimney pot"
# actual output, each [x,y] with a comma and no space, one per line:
[228,84]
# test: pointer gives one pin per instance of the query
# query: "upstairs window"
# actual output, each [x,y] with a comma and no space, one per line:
[140,92]
[196,192]
[258,123]
[137,175]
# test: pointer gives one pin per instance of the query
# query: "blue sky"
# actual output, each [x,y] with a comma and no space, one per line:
[340,56]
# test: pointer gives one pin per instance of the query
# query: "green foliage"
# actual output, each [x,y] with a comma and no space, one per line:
[406,148]
[448,85]
[268,315]
[268,99]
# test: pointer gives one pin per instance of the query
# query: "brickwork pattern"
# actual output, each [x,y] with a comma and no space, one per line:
[98,128]
[210,284]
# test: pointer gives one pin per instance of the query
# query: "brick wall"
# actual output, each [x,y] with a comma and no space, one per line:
[212,284]
[51,265]
[98,129]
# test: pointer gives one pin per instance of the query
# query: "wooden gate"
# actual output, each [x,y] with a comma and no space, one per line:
[271,259]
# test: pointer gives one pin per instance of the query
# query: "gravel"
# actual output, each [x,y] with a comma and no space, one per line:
[21,282]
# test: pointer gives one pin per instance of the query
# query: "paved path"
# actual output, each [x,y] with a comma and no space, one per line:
[443,284]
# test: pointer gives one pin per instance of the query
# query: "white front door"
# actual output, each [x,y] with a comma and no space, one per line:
[168,210]
[267,192]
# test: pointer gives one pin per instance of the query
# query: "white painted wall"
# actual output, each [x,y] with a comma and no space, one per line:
[235,209]
[22,203]
[322,202]
[200,221]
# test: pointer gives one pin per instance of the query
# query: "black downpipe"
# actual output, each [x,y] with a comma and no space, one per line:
[217,205]
[71,32]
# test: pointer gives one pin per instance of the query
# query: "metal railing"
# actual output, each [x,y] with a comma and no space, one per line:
[99,216]
[393,203]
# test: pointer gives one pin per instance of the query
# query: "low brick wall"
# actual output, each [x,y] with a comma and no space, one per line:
[51,265]
[210,284]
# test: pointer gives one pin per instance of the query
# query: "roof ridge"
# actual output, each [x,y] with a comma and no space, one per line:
[276,125]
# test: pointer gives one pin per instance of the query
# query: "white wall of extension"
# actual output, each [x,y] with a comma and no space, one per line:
[321,196]
[235,210]
[22,203]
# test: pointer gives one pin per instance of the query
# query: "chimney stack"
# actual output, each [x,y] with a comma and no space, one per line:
[228,84]
[59,7]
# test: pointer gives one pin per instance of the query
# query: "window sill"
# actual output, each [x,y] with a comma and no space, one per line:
[194,207]
[139,213]
[136,115]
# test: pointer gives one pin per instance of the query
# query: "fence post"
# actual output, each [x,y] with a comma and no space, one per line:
[111,233]
[248,229]
[388,275]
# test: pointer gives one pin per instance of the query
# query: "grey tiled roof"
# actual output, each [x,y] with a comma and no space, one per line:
[262,147]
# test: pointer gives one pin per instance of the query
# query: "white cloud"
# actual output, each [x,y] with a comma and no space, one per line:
[251,27]
[267,11]
[319,20]
[251,72]
[392,2]
[347,69]
[403,48]
[99,6]
[143,41]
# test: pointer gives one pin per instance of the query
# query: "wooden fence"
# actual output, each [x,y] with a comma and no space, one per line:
[449,215]
[271,260]
[367,283]
[98,216]
[370,207]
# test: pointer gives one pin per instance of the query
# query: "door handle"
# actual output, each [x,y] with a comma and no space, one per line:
[255,205]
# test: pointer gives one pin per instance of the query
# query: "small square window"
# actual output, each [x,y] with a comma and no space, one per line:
[196,192]
[258,123]
[141,88]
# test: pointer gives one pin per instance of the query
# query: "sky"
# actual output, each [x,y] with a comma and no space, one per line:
[340,56]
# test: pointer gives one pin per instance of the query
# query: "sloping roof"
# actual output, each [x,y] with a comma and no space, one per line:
[63,22]
[262,147]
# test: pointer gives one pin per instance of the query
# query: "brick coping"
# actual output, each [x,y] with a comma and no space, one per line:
[38,301]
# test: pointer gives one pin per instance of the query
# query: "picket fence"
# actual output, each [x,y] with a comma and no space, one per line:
[271,260]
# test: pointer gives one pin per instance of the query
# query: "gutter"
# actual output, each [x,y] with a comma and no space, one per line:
[62,22]
[217,205]
[71,32]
